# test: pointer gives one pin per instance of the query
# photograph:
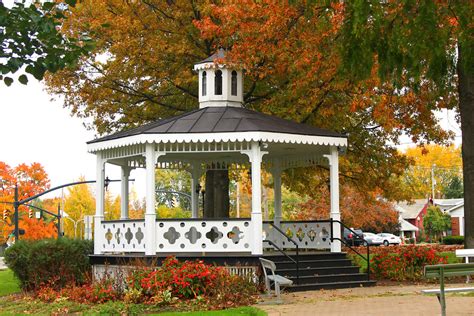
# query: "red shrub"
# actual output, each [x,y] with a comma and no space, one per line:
[404,263]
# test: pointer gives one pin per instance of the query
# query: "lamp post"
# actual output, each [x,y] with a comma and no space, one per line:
[75,223]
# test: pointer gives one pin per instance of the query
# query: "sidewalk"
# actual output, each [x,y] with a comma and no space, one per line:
[378,300]
[2,264]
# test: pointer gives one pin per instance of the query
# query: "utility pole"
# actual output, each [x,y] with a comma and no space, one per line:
[16,216]
[433,182]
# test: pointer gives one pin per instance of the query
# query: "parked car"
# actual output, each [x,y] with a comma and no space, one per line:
[353,237]
[390,239]
[372,239]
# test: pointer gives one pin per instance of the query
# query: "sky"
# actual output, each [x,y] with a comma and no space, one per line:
[36,128]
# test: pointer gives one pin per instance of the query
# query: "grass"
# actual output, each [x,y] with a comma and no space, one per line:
[8,283]
[12,305]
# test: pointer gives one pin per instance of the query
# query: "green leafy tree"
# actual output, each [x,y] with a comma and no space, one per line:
[30,41]
[455,189]
[412,43]
[436,222]
[170,181]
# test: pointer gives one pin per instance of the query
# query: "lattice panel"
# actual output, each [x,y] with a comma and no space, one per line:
[123,236]
[203,236]
[308,235]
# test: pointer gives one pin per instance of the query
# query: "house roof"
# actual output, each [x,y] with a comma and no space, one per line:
[447,204]
[407,227]
[222,120]
[455,207]
[411,210]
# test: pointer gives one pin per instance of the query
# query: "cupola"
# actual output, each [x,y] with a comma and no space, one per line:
[219,84]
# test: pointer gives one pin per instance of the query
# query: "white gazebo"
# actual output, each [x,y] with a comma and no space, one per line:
[221,134]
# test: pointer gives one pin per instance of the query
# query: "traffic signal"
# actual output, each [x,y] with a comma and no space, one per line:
[30,213]
[6,214]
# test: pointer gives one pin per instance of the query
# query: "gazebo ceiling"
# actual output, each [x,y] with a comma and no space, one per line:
[214,124]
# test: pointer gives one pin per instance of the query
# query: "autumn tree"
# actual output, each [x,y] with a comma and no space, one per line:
[30,179]
[358,210]
[140,71]
[442,164]
[78,203]
[414,43]
[30,42]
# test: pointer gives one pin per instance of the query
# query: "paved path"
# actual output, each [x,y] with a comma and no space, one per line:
[2,264]
[379,300]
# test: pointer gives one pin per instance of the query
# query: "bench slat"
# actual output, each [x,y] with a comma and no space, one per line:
[458,289]
[454,269]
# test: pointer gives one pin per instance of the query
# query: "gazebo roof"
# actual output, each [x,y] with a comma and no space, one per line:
[222,120]
[220,54]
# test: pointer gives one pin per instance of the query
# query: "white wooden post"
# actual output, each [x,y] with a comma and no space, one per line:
[99,237]
[124,192]
[276,173]
[150,212]
[334,183]
[196,174]
[256,216]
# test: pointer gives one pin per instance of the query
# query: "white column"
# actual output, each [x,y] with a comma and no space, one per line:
[99,237]
[334,183]
[195,174]
[124,192]
[150,212]
[276,173]
[256,216]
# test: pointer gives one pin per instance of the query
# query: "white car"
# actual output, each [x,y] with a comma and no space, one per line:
[372,239]
[390,239]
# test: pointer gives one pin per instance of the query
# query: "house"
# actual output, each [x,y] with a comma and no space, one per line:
[455,209]
[413,214]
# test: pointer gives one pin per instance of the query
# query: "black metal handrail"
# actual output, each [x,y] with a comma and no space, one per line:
[367,259]
[297,261]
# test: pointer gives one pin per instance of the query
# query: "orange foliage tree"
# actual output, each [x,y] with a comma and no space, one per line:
[140,70]
[357,210]
[37,229]
[31,179]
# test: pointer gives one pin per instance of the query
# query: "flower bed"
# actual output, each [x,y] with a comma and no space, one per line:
[190,282]
[404,263]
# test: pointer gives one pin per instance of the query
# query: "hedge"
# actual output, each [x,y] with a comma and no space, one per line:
[55,262]
[453,240]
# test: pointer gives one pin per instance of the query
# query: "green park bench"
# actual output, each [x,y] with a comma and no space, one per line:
[441,271]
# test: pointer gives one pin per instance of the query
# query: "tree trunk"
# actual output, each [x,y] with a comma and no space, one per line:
[216,202]
[466,109]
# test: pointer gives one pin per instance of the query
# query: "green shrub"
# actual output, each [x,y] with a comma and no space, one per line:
[453,240]
[55,262]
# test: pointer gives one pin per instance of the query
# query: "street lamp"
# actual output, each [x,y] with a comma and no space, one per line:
[75,223]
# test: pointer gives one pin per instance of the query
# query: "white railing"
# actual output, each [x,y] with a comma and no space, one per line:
[203,235]
[307,234]
[122,236]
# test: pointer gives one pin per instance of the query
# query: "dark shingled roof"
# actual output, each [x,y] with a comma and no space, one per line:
[222,120]
[219,55]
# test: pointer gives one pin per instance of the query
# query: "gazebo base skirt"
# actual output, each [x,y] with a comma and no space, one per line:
[317,269]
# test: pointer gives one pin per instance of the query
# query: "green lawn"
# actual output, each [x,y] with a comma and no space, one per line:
[8,283]
[21,305]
